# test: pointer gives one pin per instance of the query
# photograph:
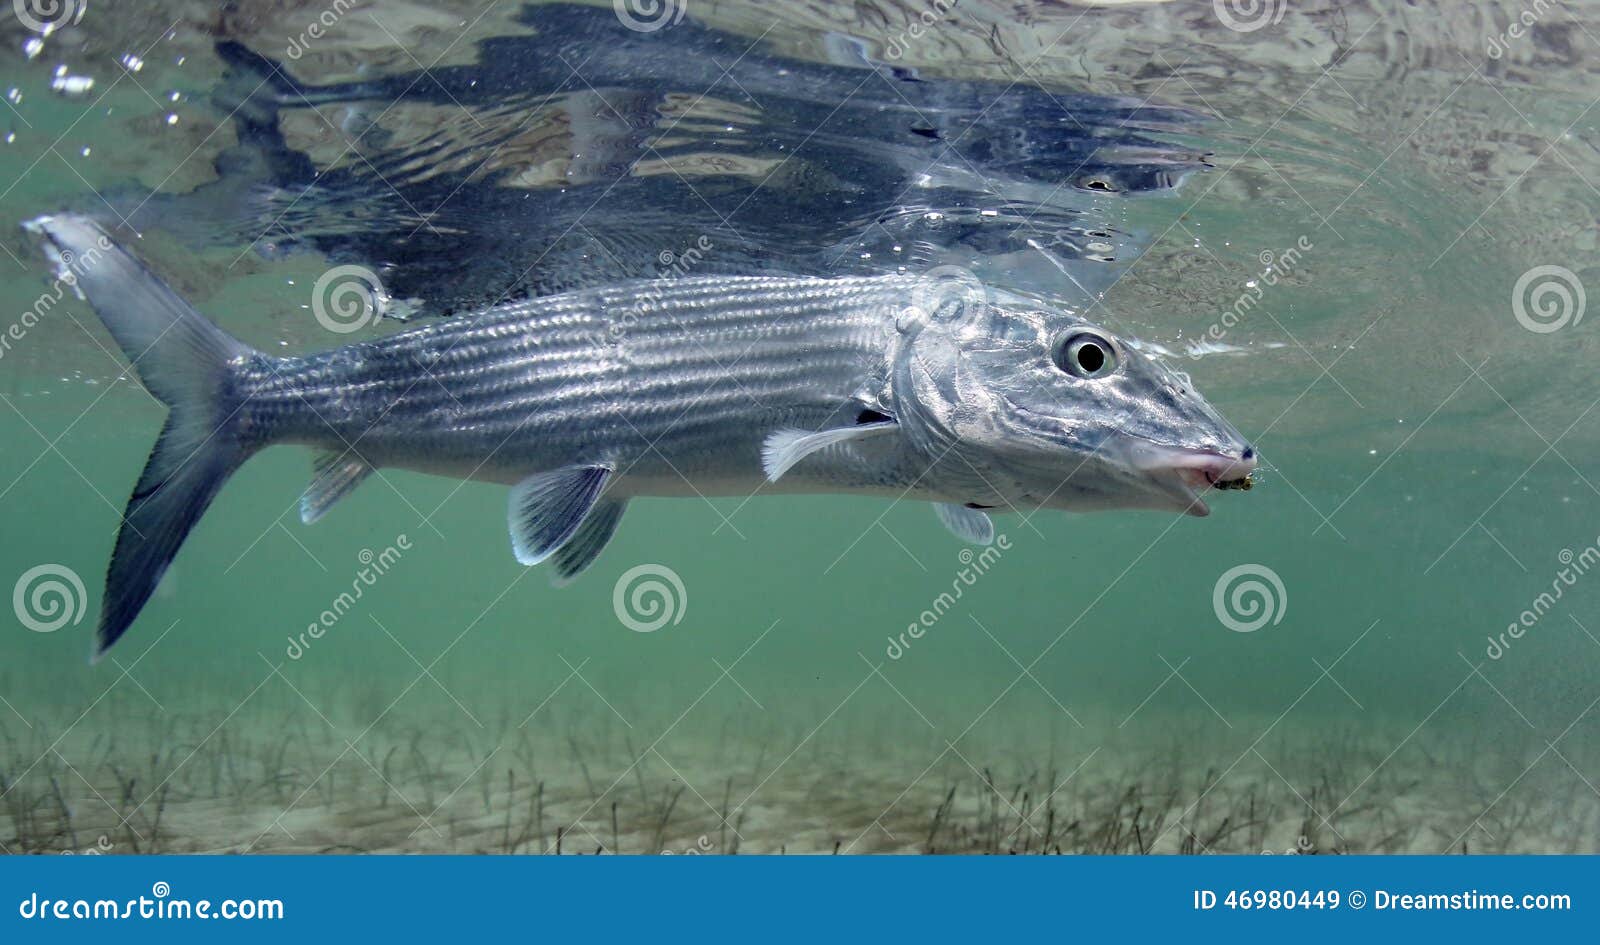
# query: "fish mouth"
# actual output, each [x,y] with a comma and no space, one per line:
[1185,474]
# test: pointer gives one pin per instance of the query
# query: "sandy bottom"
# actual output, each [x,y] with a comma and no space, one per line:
[174,781]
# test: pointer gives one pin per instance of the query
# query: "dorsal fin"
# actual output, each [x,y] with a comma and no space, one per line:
[970,525]
[547,508]
[333,476]
[784,448]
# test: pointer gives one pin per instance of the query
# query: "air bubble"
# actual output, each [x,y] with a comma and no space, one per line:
[71,84]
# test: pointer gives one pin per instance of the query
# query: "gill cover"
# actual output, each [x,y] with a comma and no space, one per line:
[954,365]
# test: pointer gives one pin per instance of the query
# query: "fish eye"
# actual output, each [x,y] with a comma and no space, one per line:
[1086,354]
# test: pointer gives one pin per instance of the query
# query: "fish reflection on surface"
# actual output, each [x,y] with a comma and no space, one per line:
[590,152]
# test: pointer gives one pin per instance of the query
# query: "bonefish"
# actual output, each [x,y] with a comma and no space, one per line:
[897,386]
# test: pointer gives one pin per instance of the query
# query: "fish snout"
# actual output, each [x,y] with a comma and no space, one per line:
[1205,469]
[1186,473]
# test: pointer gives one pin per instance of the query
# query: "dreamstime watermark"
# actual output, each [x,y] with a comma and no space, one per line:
[1521,25]
[946,294]
[348,298]
[102,846]
[647,16]
[1248,597]
[373,566]
[1247,16]
[46,16]
[648,597]
[1573,566]
[1547,299]
[48,597]
[702,845]
[157,905]
[1274,266]
[672,267]
[1302,847]
[69,268]
[900,43]
[973,566]
[318,28]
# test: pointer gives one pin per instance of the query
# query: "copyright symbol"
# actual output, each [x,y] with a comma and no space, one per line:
[1358,899]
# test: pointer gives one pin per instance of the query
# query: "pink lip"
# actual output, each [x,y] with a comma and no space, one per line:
[1191,472]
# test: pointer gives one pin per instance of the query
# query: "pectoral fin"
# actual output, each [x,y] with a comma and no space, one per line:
[574,557]
[334,475]
[784,448]
[546,509]
[970,525]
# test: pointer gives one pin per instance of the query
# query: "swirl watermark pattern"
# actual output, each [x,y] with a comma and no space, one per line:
[1547,299]
[1248,597]
[1274,267]
[48,597]
[47,16]
[947,294]
[348,298]
[1573,566]
[160,904]
[648,597]
[647,16]
[1302,847]
[701,846]
[1247,16]
[69,268]
[674,266]
[374,564]
[974,565]
[102,846]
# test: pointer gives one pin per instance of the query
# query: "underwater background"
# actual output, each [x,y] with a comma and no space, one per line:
[1390,644]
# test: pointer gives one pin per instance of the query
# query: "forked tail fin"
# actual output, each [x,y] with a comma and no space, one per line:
[185,361]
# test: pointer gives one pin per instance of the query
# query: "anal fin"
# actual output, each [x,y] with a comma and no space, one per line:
[334,475]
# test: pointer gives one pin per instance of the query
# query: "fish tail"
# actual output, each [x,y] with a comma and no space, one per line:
[190,365]
[254,87]
[253,90]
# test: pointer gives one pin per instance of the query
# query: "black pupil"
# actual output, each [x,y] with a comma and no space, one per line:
[1091,358]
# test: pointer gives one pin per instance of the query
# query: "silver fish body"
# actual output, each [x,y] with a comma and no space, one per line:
[675,384]
[926,387]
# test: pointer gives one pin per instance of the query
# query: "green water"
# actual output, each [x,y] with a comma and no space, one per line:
[1430,463]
